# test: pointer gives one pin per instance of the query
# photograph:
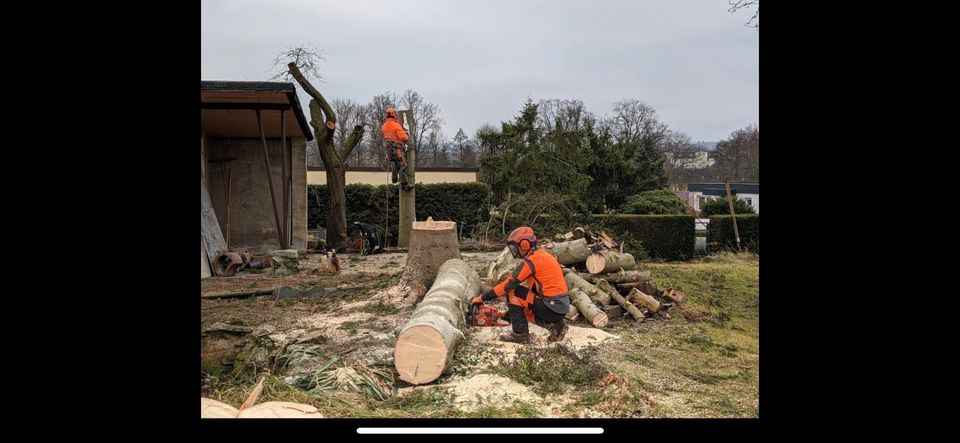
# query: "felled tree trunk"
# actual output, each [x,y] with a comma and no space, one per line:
[626,305]
[501,267]
[626,276]
[569,252]
[609,261]
[431,244]
[590,311]
[425,345]
[598,296]
[572,314]
[647,302]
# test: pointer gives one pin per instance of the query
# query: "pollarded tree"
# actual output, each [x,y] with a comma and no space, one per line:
[301,62]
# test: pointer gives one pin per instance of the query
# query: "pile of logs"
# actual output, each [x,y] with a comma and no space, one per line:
[602,279]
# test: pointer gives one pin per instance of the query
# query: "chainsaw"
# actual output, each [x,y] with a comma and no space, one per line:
[486,315]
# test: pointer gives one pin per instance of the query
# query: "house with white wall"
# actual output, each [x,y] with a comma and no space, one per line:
[699,193]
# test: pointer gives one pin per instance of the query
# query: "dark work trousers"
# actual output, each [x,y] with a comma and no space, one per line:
[541,312]
[399,170]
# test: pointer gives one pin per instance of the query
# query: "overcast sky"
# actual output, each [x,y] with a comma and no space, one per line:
[693,61]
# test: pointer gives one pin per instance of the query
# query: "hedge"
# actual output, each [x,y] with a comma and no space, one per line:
[720,234]
[464,203]
[665,237]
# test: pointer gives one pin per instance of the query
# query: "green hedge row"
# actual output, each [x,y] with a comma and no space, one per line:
[665,237]
[720,235]
[464,203]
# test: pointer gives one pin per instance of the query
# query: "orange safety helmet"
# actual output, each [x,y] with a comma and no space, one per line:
[391,113]
[521,241]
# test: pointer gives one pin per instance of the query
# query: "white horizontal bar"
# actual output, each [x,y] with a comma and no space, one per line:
[479,430]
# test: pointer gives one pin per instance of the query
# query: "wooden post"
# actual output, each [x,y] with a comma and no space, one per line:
[408,198]
[273,196]
[733,214]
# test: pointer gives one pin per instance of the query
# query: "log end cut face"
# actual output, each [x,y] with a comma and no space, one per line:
[420,354]
[596,263]
[600,320]
[431,225]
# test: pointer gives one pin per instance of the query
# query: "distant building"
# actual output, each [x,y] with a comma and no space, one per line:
[692,160]
[699,193]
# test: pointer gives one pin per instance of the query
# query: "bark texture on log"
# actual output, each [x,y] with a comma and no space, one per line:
[426,343]
[609,261]
[590,311]
[596,294]
[431,244]
[625,276]
[629,307]
[573,314]
[569,252]
[643,300]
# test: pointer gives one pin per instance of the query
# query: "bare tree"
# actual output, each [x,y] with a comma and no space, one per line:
[634,121]
[427,115]
[350,114]
[736,5]
[686,162]
[324,121]
[738,157]
[568,115]
[307,58]
[460,140]
[431,149]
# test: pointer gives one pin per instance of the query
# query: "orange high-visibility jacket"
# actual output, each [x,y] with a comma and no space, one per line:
[393,132]
[545,279]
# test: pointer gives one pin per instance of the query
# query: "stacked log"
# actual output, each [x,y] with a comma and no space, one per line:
[602,279]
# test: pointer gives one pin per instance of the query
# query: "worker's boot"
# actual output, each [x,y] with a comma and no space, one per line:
[557,331]
[513,337]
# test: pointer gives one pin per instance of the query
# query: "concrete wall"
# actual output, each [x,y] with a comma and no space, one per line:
[252,224]
[383,177]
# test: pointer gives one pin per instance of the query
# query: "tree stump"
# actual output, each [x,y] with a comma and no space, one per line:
[431,244]
[425,345]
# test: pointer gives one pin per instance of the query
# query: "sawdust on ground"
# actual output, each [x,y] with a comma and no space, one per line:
[576,338]
[477,391]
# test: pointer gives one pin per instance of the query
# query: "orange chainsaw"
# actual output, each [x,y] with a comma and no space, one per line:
[485,315]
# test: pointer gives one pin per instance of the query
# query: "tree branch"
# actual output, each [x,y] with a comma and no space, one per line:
[330,116]
[351,142]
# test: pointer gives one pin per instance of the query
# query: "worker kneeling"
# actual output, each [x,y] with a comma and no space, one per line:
[546,302]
